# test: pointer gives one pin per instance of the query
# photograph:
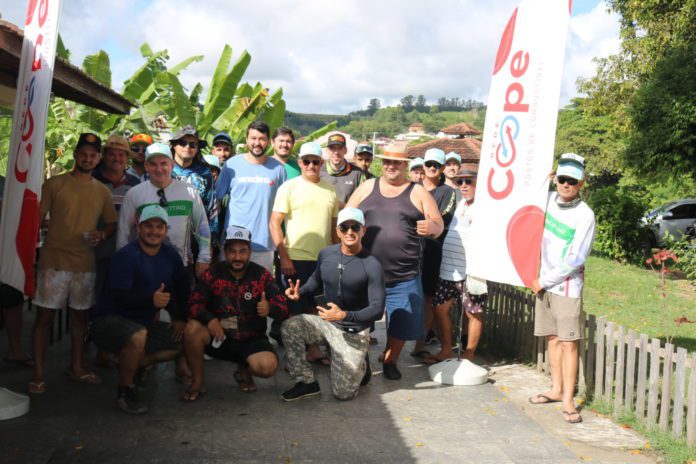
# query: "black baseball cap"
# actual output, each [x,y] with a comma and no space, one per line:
[336,139]
[189,130]
[364,148]
[88,138]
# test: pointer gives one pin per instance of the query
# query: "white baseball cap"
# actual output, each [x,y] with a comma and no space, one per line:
[238,233]
[350,214]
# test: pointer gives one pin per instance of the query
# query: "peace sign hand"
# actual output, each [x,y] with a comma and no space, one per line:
[293,291]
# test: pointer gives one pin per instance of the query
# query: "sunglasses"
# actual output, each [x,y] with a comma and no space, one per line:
[433,164]
[138,149]
[464,181]
[162,199]
[354,227]
[183,143]
[566,180]
[314,162]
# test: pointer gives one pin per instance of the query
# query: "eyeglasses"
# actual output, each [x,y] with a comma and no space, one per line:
[464,181]
[162,199]
[138,149]
[183,143]
[433,164]
[566,180]
[314,162]
[354,227]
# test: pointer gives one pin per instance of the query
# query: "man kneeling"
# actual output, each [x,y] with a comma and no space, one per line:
[228,310]
[353,288]
[144,276]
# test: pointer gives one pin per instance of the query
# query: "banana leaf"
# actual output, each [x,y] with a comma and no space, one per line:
[61,51]
[140,86]
[315,135]
[184,64]
[175,103]
[97,66]
[223,94]
[145,50]
[219,74]
[274,113]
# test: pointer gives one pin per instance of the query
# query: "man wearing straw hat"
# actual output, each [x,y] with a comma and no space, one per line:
[397,214]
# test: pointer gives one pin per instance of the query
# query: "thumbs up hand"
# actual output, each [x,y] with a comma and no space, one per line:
[160,298]
[263,307]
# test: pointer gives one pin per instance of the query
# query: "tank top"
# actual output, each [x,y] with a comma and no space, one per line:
[391,233]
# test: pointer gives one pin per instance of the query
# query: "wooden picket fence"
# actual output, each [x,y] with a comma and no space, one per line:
[634,373]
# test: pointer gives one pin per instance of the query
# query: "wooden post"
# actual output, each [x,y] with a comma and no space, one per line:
[679,381]
[691,406]
[609,366]
[653,386]
[630,369]
[591,353]
[642,376]
[618,391]
[599,368]
[666,398]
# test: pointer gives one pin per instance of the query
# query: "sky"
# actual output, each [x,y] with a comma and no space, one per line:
[329,57]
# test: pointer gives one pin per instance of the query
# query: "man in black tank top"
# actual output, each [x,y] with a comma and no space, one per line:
[397,214]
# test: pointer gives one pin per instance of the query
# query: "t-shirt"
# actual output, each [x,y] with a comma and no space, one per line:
[292,169]
[453,267]
[309,208]
[118,191]
[75,206]
[134,276]
[252,189]
[566,244]
[186,218]
[344,180]
[199,175]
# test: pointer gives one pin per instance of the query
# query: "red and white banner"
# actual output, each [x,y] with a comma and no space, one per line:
[19,226]
[518,140]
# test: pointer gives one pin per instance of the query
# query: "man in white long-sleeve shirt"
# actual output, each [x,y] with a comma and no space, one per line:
[567,241]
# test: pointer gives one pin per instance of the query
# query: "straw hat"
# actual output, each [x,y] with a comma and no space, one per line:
[395,151]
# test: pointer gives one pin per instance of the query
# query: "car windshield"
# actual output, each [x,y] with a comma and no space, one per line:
[659,210]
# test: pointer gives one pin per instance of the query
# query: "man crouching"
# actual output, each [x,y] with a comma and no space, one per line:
[228,310]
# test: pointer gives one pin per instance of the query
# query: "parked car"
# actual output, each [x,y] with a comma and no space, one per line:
[673,218]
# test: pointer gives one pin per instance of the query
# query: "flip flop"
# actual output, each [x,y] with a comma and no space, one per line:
[245,387]
[184,379]
[433,360]
[37,388]
[546,399]
[191,396]
[324,361]
[26,362]
[567,414]
[422,354]
[89,378]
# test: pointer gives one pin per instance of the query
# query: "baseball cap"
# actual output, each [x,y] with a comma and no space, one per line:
[213,161]
[364,148]
[350,214]
[222,137]
[188,130]
[117,141]
[336,139]
[141,138]
[434,154]
[415,163]
[310,148]
[88,138]
[571,165]
[157,149]
[238,233]
[154,211]
[453,156]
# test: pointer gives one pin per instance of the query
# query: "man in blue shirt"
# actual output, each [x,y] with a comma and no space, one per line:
[252,180]
[146,276]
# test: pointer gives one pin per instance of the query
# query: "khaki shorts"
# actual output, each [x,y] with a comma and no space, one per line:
[559,315]
[56,288]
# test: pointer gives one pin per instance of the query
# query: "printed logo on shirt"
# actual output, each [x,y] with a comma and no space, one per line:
[247,296]
[349,182]
[255,180]
[174,208]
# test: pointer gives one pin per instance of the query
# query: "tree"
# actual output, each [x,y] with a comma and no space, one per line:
[407,103]
[421,104]
[373,106]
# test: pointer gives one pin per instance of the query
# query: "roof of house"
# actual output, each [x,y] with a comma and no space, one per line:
[461,128]
[469,149]
[416,124]
[69,81]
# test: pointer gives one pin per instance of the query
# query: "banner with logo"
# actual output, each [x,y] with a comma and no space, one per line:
[19,226]
[518,140]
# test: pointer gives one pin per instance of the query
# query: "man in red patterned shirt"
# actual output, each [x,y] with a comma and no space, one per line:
[227,316]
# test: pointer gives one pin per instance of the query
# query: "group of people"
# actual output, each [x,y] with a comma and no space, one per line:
[221,242]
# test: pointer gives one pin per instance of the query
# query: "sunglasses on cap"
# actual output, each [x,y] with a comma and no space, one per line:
[354,227]
[307,162]
[162,199]
[566,180]
[466,181]
[433,164]
[183,143]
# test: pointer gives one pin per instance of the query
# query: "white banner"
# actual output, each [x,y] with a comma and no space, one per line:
[518,140]
[19,226]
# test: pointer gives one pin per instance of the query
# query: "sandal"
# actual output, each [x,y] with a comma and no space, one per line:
[246,387]
[184,379]
[422,354]
[568,414]
[433,360]
[323,360]
[89,378]
[191,396]
[546,399]
[37,388]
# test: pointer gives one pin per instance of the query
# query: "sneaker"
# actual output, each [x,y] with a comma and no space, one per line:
[140,380]
[128,402]
[390,371]
[368,371]
[301,390]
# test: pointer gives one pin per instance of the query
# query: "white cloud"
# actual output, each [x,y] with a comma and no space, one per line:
[329,57]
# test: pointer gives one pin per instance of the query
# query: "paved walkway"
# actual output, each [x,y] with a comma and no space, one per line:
[407,421]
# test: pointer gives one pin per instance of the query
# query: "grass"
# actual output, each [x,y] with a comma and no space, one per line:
[630,296]
[674,451]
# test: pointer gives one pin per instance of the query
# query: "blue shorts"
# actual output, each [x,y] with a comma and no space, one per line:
[405,317]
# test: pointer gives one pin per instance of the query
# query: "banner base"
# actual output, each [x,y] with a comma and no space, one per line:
[458,372]
[12,404]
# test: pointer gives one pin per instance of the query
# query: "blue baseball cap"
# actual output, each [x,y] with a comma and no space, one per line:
[453,156]
[571,165]
[158,149]
[154,212]
[310,149]
[416,163]
[213,161]
[222,137]
[350,214]
[434,154]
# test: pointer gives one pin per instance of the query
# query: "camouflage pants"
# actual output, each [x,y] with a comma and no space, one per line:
[347,352]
